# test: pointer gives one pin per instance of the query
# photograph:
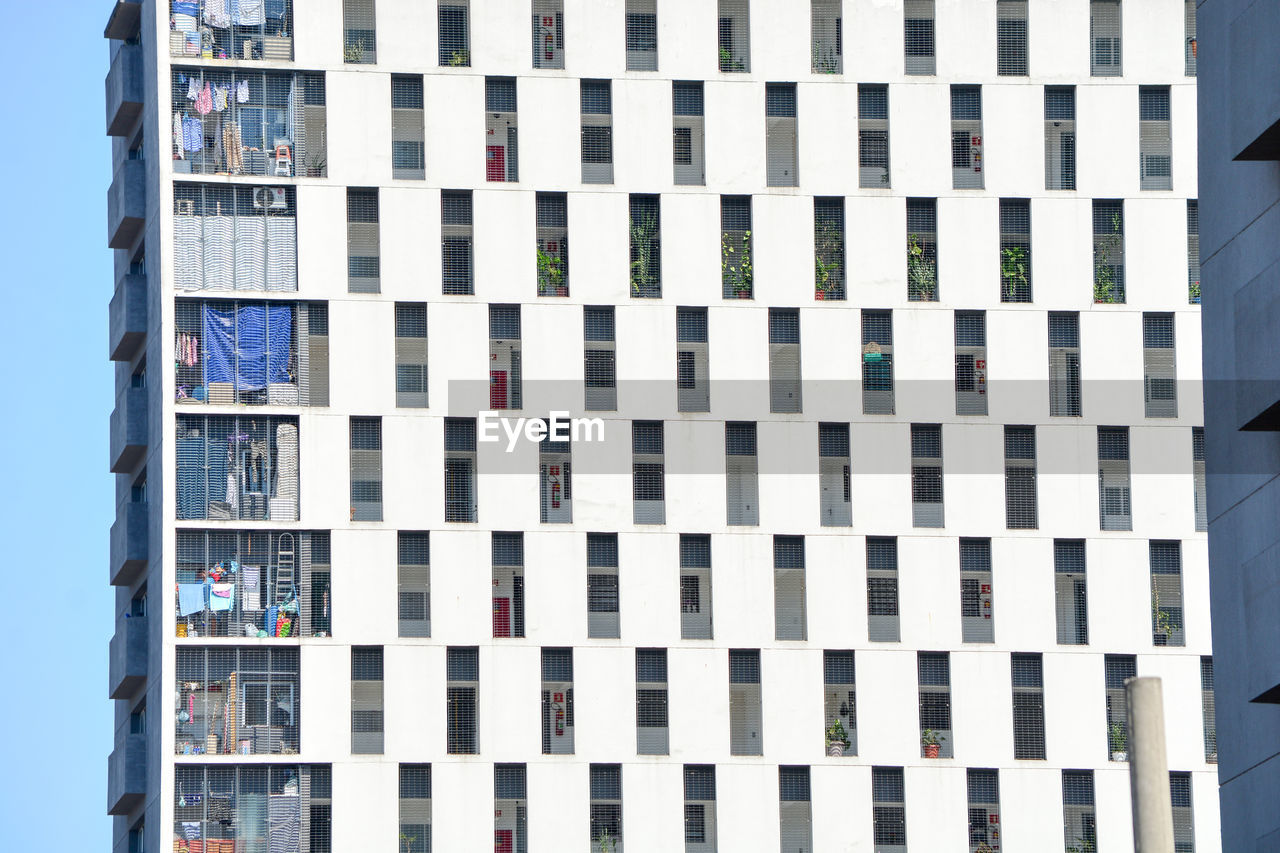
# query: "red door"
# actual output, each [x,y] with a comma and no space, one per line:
[502,841]
[495,163]
[497,389]
[502,617]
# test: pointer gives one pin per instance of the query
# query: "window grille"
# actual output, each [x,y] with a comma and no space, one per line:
[1011,38]
[1118,668]
[359,32]
[363,249]
[1154,139]
[918,37]
[780,134]
[984,809]
[888,810]
[693,384]
[1108,250]
[408,148]
[695,586]
[877,363]
[934,670]
[645,229]
[505,363]
[238,701]
[651,702]
[597,131]
[234,238]
[642,35]
[1064,364]
[882,589]
[552,244]
[1113,478]
[1105,49]
[501,152]
[966,137]
[455,242]
[1071,593]
[736,269]
[789,588]
[1184,827]
[1189,12]
[213,30]
[784,360]
[366,700]
[1208,706]
[508,584]
[242,122]
[741,473]
[510,808]
[1015,250]
[687,127]
[1020,477]
[462,664]
[454,22]
[648,473]
[606,807]
[977,622]
[826,36]
[1027,673]
[835,498]
[548,34]
[415,808]
[926,475]
[411,354]
[873,136]
[603,611]
[1079,820]
[828,245]
[414,583]
[795,816]
[839,702]
[227,806]
[600,357]
[922,249]
[699,808]
[263,583]
[1060,137]
[1198,479]
[971,362]
[1160,380]
[746,721]
[555,469]
[460,469]
[734,35]
[237,468]
[366,469]
[1193,251]
[1167,627]
[557,702]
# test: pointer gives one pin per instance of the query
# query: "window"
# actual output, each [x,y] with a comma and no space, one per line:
[501,152]
[695,586]
[877,362]
[789,622]
[606,807]
[1159,368]
[835,498]
[1064,364]
[826,36]
[1079,821]
[555,470]
[984,808]
[699,808]
[745,716]
[505,370]
[1071,598]
[922,249]
[1104,38]
[548,33]
[137,835]
[966,137]
[603,618]
[1113,478]
[646,246]
[841,712]
[780,134]
[1118,668]
[363,251]
[734,35]
[917,23]
[1020,477]
[366,700]
[226,804]
[597,131]
[1154,142]
[460,469]
[455,242]
[508,584]
[237,468]
[1108,250]
[648,472]
[784,360]
[238,699]
[1184,826]
[454,32]
[873,135]
[1015,250]
[888,810]
[553,244]
[1193,251]
[651,702]
[977,622]
[687,132]
[359,33]
[408,158]
[828,248]
[741,473]
[248,34]
[234,237]
[411,354]
[1059,137]
[642,35]
[735,246]
[1208,706]
[693,385]
[600,369]
[510,809]
[1011,39]
[926,475]
[1189,11]
[462,664]
[882,589]
[1198,479]
[366,469]
[971,362]
[557,702]
[934,670]
[795,817]
[414,583]
[1166,594]
[1027,673]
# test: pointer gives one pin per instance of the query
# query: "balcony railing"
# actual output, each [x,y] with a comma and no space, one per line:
[227,808]
[237,468]
[237,701]
[217,29]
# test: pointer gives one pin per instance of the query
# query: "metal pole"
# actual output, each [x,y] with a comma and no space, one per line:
[1148,767]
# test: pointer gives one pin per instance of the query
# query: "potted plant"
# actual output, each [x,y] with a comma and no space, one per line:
[837,739]
[551,274]
[605,842]
[735,265]
[922,272]
[1118,738]
[407,841]
[1161,621]
[1013,272]
[932,742]
[644,277]
[1104,278]
[354,53]
[1081,845]
[460,58]
[827,275]
[1193,291]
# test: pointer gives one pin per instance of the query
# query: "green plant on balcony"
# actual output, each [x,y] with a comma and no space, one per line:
[922,272]
[735,264]
[1013,273]
[1081,845]
[1118,739]
[605,842]
[728,63]
[1161,619]
[407,841]
[1105,286]
[644,269]
[551,274]
[827,273]
[1193,291]
[460,58]
[354,53]
[825,61]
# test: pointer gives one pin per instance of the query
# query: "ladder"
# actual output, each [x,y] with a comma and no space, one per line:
[285,562]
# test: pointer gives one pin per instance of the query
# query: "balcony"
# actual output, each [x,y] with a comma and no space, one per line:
[128,430]
[127,204]
[127,772]
[128,312]
[127,668]
[124,90]
[129,543]
[123,23]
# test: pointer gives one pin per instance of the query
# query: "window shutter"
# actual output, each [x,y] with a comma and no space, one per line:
[873,136]
[784,360]
[407,139]
[877,363]
[360,40]
[699,808]
[510,806]
[548,33]
[839,695]
[789,588]
[882,590]
[745,716]
[462,666]
[780,135]
[597,132]
[1071,591]
[971,362]
[555,470]
[1118,668]
[1108,250]
[1113,478]
[508,584]
[926,475]
[888,810]
[502,155]
[934,672]
[642,35]
[1020,477]
[918,26]
[363,253]
[455,242]
[366,700]
[1193,251]
[453,18]
[505,365]
[648,473]
[1155,144]
[1079,820]
[1059,137]
[977,617]
[1167,628]
[415,806]
[646,246]
[734,36]
[603,611]
[984,809]
[741,474]
[795,817]
[829,248]
[414,566]
[966,137]
[1015,250]
[460,469]
[736,269]
[1027,674]
[1198,479]
[1011,37]
[695,587]
[552,244]
[651,702]
[411,354]
[1160,377]
[599,351]
[826,39]
[1064,364]
[557,702]
[687,133]
[922,249]
[693,384]
[1208,706]
[834,486]
[606,804]
[1104,38]
[1189,44]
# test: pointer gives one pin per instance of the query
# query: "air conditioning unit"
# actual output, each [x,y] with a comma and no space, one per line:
[270,198]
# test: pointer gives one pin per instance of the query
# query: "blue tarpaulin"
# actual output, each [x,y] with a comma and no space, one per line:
[248,346]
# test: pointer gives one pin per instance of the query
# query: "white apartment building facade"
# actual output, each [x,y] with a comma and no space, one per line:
[880,320]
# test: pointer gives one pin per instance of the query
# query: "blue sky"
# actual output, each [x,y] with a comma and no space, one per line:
[57,506]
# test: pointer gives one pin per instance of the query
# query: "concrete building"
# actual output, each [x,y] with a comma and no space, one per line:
[888,317]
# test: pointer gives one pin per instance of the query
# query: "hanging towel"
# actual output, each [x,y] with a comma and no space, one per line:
[190,598]
[250,12]
[177,134]
[242,92]
[193,89]
[192,133]
[220,98]
[222,596]
[252,589]
[204,100]
[191,829]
